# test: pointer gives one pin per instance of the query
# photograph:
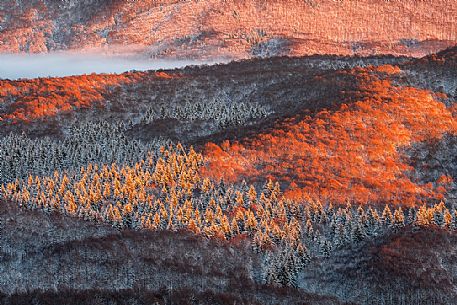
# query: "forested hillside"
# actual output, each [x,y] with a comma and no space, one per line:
[314,180]
[278,242]
[316,166]
[235,29]
[341,129]
[51,259]
[351,152]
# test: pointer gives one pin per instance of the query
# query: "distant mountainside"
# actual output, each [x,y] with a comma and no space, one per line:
[235,29]
[447,56]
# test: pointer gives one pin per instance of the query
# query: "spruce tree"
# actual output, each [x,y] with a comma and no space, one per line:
[399,218]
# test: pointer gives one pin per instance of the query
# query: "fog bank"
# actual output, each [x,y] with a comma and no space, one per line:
[14,66]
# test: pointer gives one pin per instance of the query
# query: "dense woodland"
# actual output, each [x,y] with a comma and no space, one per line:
[86,142]
[295,181]
[236,29]
[351,153]
[166,192]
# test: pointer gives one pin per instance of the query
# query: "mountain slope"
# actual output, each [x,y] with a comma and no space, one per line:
[214,28]
[410,266]
[41,254]
[351,151]
[359,134]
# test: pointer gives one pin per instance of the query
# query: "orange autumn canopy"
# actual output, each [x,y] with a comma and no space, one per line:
[352,153]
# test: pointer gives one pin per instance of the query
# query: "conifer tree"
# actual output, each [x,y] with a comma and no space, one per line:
[387,217]
[399,218]
[447,223]
[438,218]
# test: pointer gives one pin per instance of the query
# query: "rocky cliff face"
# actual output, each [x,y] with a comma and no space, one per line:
[239,29]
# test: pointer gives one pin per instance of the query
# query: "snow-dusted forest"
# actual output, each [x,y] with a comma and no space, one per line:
[107,175]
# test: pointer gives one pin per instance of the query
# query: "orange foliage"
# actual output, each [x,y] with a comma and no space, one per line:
[33,99]
[166,75]
[388,69]
[232,28]
[349,154]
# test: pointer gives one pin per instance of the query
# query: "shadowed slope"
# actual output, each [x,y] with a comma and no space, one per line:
[85,262]
[411,266]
